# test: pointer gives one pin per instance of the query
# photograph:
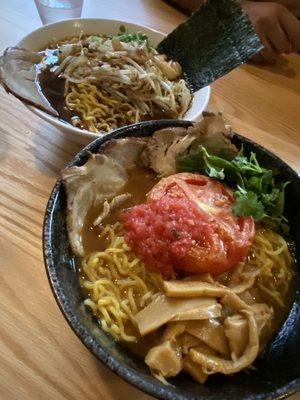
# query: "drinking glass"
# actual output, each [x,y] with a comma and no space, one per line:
[55,10]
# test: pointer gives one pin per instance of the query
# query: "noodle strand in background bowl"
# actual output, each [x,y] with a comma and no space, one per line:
[113,81]
[99,111]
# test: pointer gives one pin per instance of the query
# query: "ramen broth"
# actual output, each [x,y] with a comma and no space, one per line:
[53,89]
[280,313]
[140,181]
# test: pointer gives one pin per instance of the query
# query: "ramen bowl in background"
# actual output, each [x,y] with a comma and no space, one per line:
[40,38]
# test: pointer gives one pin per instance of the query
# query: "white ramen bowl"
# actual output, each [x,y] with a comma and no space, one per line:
[40,38]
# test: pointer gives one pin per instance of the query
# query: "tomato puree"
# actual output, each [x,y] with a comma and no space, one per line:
[187,224]
[161,232]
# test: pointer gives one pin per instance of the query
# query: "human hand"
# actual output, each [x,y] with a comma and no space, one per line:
[292,5]
[277,27]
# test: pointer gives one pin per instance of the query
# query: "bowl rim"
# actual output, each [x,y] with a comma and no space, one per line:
[135,378]
[64,125]
[87,19]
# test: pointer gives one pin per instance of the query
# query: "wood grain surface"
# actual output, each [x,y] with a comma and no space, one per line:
[40,357]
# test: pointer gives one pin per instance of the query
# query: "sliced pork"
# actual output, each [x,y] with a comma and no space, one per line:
[19,75]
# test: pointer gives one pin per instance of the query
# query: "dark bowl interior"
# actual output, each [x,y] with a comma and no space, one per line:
[277,373]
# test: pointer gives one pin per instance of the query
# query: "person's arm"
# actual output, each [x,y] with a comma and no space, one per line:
[192,5]
[276,26]
[291,5]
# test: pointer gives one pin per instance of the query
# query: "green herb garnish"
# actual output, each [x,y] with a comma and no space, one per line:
[125,36]
[257,194]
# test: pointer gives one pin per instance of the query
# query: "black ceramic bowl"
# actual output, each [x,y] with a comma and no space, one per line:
[277,373]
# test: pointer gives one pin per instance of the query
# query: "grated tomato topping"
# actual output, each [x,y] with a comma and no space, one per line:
[162,231]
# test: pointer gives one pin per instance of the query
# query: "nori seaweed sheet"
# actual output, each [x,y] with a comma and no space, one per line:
[214,40]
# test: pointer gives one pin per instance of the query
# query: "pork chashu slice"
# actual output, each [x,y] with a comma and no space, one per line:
[168,143]
[19,76]
[100,179]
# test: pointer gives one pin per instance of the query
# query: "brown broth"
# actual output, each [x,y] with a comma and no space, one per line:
[53,88]
[140,181]
[280,313]
[144,344]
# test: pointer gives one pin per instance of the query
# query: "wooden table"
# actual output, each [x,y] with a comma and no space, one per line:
[40,357]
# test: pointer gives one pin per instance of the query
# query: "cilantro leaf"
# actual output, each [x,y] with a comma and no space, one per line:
[202,161]
[256,191]
[247,204]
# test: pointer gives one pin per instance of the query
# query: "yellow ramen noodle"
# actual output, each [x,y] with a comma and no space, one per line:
[98,110]
[274,260]
[118,284]
[268,269]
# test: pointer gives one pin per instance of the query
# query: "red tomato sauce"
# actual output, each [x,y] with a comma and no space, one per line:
[187,224]
[161,233]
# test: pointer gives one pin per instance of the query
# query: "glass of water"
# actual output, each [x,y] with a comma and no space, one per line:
[55,10]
